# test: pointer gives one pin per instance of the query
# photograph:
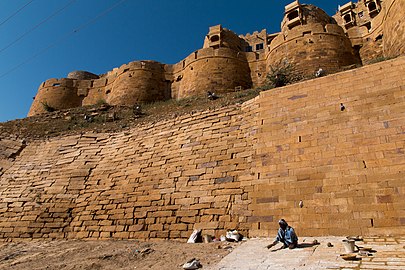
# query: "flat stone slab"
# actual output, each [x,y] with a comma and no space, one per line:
[387,253]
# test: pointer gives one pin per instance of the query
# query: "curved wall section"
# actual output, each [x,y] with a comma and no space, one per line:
[82,75]
[313,46]
[139,82]
[394,28]
[58,94]
[217,70]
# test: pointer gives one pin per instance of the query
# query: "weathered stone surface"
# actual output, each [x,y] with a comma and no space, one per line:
[244,172]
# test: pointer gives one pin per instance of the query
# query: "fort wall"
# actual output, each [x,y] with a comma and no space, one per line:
[139,82]
[216,70]
[56,93]
[394,28]
[242,167]
[309,40]
[310,47]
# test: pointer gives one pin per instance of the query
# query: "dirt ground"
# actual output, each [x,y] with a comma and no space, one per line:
[77,254]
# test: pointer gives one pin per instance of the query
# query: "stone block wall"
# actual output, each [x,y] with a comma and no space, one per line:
[310,47]
[215,70]
[346,166]
[157,181]
[394,28]
[10,148]
[56,93]
[243,167]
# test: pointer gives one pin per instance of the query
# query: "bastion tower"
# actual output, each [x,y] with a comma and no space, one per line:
[310,39]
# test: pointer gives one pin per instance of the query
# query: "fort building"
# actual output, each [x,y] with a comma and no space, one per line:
[291,152]
[309,39]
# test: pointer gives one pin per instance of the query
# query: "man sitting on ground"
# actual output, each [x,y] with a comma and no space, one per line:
[285,235]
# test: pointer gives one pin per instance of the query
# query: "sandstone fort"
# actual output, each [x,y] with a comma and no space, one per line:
[291,152]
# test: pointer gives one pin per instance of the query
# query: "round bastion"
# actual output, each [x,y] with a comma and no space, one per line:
[216,70]
[55,94]
[139,82]
[310,39]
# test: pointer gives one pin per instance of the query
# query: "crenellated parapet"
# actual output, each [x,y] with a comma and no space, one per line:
[309,39]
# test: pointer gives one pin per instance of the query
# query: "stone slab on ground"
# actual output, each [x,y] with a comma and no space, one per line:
[388,253]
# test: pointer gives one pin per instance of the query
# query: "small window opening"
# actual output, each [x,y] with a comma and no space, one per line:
[259,46]
[108,91]
[91,84]
[106,81]
[379,37]
[56,84]
[361,14]
[195,55]
[125,70]
[184,63]
[248,49]
[299,139]
[372,7]
[293,15]
[347,18]
[214,38]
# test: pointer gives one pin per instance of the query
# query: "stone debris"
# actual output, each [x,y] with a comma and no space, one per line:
[192,264]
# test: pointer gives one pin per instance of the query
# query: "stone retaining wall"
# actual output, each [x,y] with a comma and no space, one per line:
[242,167]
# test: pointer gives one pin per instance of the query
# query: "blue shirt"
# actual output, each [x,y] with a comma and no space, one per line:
[287,237]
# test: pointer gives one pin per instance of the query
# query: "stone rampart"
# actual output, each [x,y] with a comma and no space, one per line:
[240,167]
[57,94]
[394,28]
[346,164]
[216,70]
[312,46]
[139,82]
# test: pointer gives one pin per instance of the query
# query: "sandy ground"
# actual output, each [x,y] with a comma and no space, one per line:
[388,253]
[75,254]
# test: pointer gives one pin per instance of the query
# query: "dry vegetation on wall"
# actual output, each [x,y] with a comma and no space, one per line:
[105,118]
[282,74]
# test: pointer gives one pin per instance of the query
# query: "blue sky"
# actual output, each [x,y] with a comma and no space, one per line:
[162,30]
